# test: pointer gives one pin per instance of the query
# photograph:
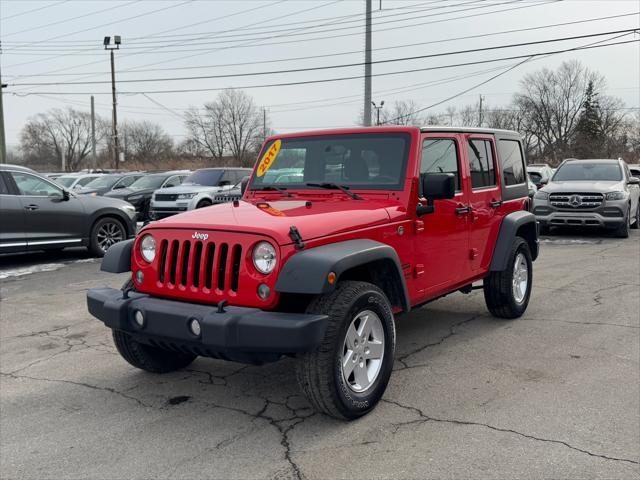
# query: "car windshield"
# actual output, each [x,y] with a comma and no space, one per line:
[66,181]
[588,172]
[150,181]
[208,178]
[105,181]
[372,161]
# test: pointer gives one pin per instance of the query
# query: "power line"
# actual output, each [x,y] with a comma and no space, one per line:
[328,67]
[328,55]
[338,79]
[35,9]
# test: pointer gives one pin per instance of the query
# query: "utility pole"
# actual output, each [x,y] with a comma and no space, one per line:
[378,108]
[367,67]
[3,142]
[264,124]
[94,160]
[107,46]
[480,111]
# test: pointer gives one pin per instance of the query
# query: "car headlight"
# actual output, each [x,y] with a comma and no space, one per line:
[264,257]
[94,194]
[148,248]
[129,210]
[540,195]
[614,196]
[185,196]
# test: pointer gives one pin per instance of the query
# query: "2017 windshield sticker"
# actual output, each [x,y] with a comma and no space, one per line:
[268,158]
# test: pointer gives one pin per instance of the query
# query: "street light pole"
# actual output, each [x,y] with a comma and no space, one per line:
[378,108]
[107,46]
[367,67]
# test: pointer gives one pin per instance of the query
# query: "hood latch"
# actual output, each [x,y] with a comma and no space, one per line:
[296,237]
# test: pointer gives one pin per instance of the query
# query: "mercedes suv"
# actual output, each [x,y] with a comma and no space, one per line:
[592,193]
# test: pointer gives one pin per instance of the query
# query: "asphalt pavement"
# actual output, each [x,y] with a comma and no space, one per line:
[554,394]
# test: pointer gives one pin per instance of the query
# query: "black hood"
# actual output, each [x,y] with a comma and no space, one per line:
[124,193]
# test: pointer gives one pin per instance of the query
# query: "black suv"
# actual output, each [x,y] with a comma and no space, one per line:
[38,214]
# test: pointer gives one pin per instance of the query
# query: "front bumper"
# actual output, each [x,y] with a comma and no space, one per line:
[247,335]
[607,216]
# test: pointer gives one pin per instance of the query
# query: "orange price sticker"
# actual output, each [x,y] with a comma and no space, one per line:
[268,158]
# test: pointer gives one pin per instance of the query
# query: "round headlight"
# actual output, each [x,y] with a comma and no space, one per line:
[148,248]
[264,257]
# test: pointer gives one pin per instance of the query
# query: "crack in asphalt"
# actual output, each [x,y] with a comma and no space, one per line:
[427,418]
[80,384]
[452,331]
[575,322]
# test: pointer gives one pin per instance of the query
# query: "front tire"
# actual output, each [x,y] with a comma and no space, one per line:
[106,232]
[623,230]
[148,358]
[507,293]
[347,374]
[203,204]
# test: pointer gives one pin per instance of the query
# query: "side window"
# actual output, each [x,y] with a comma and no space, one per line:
[173,181]
[4,190]
[34,186]
[440,155]
[512,160]
[125,182]
[481,163]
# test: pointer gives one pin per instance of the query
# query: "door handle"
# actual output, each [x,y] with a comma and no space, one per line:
[463,210]
[32,207]
[495,203]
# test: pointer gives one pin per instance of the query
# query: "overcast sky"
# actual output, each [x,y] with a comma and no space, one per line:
[61,41]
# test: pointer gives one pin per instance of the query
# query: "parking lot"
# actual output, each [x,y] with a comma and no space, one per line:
[552,394]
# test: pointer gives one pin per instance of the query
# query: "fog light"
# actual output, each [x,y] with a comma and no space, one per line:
[138,317]
[194,326]
[263,291]
[139,276]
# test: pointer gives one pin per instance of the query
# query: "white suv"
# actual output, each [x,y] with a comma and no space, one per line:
[197,191]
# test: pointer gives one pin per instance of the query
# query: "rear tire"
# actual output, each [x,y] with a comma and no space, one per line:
[506,293]
[148,358]
[347,374]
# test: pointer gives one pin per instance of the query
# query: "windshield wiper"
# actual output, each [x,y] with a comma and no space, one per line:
[282,190]
[335,186]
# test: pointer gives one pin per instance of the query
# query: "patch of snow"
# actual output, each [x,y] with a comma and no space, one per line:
[19,272]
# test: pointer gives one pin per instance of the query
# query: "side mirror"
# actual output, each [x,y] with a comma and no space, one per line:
[243,185]
[634,181]
[435,186]
[544,181]
[56,198]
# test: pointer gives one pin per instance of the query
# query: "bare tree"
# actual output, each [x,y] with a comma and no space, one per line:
[231,124]
[242,124]
[146,142]
[402,112]
[49,136]
[553,101]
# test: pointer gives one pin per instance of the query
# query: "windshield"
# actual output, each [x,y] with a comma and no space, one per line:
[208,178]
[105,181]
[588,172]
[365,161]
[150,181]
[66,181]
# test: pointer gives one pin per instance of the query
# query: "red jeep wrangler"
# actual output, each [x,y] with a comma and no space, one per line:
[337,232]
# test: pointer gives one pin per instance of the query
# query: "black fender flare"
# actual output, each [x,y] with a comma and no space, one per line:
[306,271]
[117,259]
[512,223]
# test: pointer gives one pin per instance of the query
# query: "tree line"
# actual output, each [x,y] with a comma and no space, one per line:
[562,113]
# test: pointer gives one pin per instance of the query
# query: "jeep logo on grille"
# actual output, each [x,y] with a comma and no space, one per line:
[575,200]
[200,236]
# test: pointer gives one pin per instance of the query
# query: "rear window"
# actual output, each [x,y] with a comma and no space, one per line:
[512,162]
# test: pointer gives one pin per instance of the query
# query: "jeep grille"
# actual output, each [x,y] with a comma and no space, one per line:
[197,265]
